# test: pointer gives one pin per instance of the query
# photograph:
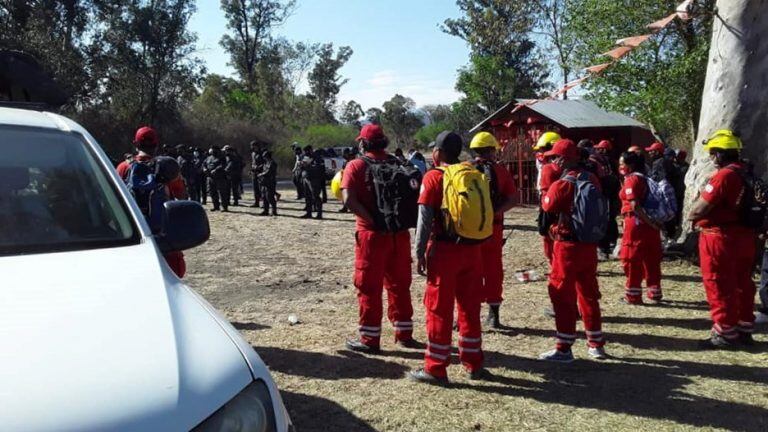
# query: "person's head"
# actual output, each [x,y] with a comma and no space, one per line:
[227,149]
[724,147]
[636,149]
[268,155]
[254,145]
[411,151]
[604,147]
[372,138]
[585,144]
[447,148]
[214,151]
[182,150]
[564,153]
[485,146]
[308,150]
[399,152]
[146,141]
[546,141]
[655,151]
[128,156]
[631,162]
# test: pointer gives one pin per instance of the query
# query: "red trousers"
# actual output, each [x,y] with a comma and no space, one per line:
[727,257]
[453,281]
[549,245]
[641,255]
[176,262]
[493,267]
[383,260]
[573,288]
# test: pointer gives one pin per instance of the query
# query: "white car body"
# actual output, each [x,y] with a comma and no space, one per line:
[111,339]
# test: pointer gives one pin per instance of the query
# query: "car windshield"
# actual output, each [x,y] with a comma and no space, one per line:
[55,196]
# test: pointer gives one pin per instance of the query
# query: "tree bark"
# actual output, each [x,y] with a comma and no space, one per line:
[736,89]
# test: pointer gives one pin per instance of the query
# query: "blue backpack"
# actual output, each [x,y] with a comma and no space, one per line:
[589,220]
[660,203]
[149,193]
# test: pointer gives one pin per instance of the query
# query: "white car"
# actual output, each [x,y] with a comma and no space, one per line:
[97,332]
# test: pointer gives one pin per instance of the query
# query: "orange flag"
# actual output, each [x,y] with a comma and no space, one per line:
[596,69]
[660,24]
[618,53]
[633,41]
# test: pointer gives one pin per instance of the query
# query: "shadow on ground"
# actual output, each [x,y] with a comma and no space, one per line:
[345,365]
[312,413]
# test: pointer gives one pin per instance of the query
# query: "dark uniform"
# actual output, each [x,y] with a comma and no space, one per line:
[257,166]
[297,170]
[313,178]
[201,189]
[234,170]
[664,168]
[268,180]
[218,184]
[188,173]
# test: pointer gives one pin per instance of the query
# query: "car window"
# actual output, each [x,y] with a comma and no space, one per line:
[55,196]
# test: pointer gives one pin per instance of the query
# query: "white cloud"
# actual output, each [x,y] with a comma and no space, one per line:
[386,83]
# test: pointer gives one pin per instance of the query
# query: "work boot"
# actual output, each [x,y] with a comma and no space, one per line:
[236,203]
[277,196]
[420,375]
[410,344]
[715,341]
[264,213]
[493,317]
[215,209]
[274,212]
[306,216]
[357,346]
[557,356]
[319,216]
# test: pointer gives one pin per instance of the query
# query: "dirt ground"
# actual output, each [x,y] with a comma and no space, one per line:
[258,271]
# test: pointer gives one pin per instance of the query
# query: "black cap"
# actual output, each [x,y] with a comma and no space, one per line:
[450,142]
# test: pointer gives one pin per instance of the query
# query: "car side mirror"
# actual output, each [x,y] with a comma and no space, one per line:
[185,225]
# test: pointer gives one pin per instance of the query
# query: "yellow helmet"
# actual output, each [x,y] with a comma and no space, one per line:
[484,140]
[546,139]
[723,139]
[336,185]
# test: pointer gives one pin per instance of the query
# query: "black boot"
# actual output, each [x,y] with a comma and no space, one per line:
[493,317]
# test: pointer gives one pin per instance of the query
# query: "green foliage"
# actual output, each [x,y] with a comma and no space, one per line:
[428,133]
[659,83]
[505,62]
[326,135]
[400,121]
[324,80]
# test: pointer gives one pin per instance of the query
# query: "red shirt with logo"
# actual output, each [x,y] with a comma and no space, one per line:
[550,173]
[723,192]
[355,178]
[559,200]
[635,188]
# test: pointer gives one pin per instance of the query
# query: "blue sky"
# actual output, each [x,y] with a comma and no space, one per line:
[398,46]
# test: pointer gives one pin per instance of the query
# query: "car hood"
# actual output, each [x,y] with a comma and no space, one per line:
[109,339]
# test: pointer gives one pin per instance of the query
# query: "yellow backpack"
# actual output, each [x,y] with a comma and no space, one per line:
[467,209]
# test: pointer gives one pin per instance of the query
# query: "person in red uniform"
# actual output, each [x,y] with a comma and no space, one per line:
[641,251]
[147,144]
[454,277]
[548,174]
[503,197]
[573,284]
[727,246]
[382,259]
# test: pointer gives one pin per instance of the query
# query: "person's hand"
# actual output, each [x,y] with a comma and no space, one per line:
[421,266]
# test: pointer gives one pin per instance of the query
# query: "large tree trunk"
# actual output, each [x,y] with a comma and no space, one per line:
[736,88]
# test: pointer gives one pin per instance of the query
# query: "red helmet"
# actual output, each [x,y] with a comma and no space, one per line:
[146,136]
[604,144]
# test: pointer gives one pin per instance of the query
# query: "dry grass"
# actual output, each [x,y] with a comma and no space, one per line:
[260,270]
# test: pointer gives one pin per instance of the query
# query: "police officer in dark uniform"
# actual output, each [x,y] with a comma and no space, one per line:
[187,171]
[234,169]
[297,181]
[257,166]
[218,184]
[268,179]
[201,189]
[313,177]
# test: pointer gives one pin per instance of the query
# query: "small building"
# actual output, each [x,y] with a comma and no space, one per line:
[575,119]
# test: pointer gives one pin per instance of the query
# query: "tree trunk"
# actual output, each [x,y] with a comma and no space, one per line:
[735,90]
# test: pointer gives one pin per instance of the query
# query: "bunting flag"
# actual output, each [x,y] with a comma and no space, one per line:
[624,46]
[633,41]
[596,69]
[683,10]
[662,23]
[618,52]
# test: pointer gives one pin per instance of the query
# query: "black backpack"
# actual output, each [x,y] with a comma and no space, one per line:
[753,203]
[396,187]
[487,169]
